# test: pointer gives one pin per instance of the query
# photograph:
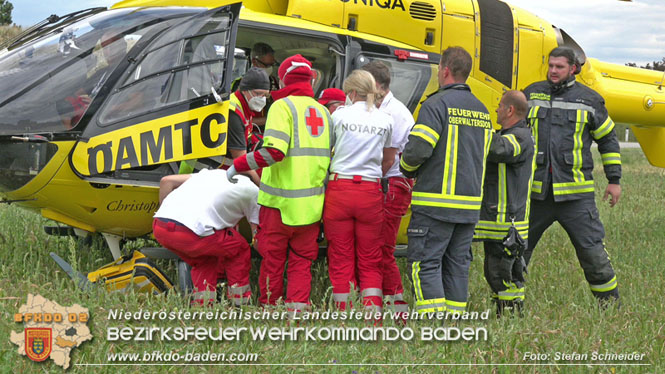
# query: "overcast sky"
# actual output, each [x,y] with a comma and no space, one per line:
[610,30]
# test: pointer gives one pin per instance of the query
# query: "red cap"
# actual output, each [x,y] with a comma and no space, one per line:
[295,69]
[331,94]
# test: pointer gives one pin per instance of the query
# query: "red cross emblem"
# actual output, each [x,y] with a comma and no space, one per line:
[314,122]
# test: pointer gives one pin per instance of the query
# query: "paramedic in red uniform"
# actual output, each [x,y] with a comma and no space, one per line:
[296,147]
[249,99]
[196,220]
[353,211]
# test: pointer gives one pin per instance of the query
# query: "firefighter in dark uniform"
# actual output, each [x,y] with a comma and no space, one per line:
[506,199]
[446,152]
[565,117]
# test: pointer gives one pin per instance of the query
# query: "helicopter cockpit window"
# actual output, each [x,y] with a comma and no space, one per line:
[49,82]
[185,63]
[403,74]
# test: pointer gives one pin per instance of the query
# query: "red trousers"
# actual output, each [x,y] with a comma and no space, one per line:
[273,242]
[396,203]
[352,218]
[209,256]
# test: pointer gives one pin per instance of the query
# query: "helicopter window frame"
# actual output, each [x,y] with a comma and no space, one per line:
[330,78]
[424,67]
[106,117]
[178,67]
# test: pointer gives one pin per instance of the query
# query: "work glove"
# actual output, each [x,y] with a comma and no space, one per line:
[230,173]
[519,268]
[512,266]
[514,245]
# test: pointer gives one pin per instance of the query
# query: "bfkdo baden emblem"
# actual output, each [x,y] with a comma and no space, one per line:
[38,343]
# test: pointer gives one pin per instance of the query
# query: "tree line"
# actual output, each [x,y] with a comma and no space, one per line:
[656,65]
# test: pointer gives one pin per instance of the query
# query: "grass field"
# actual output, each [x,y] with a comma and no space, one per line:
[561,314]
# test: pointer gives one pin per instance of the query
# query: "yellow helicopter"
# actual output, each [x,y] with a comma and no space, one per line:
[98,105]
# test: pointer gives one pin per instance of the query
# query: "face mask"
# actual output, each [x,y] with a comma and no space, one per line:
[348,101]
[268,70]
[257,103]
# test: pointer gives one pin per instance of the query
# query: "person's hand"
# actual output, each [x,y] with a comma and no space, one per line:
[613,190]
[230,173]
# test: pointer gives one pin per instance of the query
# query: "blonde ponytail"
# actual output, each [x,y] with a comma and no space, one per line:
[364,84]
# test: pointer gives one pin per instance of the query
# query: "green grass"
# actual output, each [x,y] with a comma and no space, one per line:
[561,314]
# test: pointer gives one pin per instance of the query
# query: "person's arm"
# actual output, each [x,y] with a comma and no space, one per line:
[276,140]
[170,183]
[253,175]
[602,131]
[389,151]
[509,148]
[422,139]
[388,159]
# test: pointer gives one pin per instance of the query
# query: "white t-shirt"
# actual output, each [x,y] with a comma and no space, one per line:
[403,123]
[360,137]
[208,201]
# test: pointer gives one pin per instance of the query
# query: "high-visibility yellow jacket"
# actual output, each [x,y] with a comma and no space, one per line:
[300,128]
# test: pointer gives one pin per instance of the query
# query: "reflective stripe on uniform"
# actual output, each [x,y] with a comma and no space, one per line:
[281,135]
[372,292]
[251,161]
[396,297]
[578,176]
[572,187]
[498,230]
[537,186]
[294,115]
[562,105]
[502,204]
[239,290]
[517,149]
[609,286]
[305,192]
[446,201]
[486,149]
[512,293]
[321,152]
[450,168]
[415,277]
[431,305]
[266,156]
[519,225]
[603,129]
[611,158]
[406,166]
[340,297]
[455,306]
[204,295]
[425,133]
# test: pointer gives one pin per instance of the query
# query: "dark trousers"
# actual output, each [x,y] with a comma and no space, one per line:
[581,221]
[498,273]
[438,261]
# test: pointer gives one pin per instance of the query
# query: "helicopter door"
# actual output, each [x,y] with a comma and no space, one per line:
[172,102]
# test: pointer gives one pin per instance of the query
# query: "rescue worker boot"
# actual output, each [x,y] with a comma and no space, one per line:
[608,299]
[512,307]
